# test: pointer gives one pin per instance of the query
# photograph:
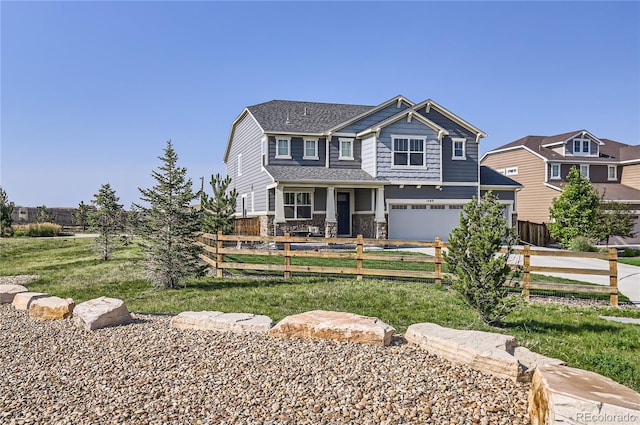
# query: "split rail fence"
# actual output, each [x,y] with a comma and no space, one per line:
[219,248]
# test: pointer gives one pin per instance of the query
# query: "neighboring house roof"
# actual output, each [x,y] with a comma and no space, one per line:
[610,150]
[319,174]
[288,116]
[491,178]
[611,191]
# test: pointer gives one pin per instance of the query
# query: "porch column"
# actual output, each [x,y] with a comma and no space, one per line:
[331,224]
[279,218]
[381,222]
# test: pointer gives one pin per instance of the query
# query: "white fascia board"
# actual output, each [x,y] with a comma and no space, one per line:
[550,186]
[314,184]
[414,114]
[513,148]
[554,144]
[294,134]
[492,187]
[274,184]
[233,129]
[583,133]
[444,111]
[629,162]
[395,99]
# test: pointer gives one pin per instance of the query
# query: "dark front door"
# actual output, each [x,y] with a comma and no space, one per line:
[344,213]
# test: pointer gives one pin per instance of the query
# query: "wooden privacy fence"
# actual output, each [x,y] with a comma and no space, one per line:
[249,226]
[215,251]
[534,233]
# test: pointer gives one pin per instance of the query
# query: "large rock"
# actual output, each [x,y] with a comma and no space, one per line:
[7,292]
[483,351]
[564,395]
[51,308]
[218,321]
[100,313]
[334,325]
[23,300]
[530,361]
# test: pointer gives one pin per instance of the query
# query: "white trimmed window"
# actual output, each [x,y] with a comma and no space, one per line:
[612,172]
[239,165]
[283,148]
[310,149]
[459,149]
[584,170]
[346,149]
[581,146]
[512,171]
[555,171]
[409,152]
[297,205]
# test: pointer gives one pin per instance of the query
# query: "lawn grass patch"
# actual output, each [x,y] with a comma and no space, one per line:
[68,267]
[632,261]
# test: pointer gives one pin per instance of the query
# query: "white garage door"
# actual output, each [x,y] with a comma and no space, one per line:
[422,222]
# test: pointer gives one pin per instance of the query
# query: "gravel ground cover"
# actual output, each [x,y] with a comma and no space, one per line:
[148,373]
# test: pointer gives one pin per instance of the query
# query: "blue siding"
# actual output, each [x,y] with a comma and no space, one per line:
[334,154]
[503,195]
[297,153]
[374,118]
[385,150]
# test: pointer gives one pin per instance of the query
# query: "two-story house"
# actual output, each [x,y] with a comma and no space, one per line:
[401,170]
[541,165]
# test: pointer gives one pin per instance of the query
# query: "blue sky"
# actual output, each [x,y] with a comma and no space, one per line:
[91,91]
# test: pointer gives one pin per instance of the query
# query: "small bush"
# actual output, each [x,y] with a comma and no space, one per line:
[630,252]
[581,244]
[37,230]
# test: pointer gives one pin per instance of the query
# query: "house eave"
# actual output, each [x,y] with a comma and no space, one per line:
[428,104]
[233,129]
[399,99]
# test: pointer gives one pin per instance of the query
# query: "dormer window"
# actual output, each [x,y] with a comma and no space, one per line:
[581,146]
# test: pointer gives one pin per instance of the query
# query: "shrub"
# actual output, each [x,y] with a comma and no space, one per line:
[581,244]
[37,230]
[630,252]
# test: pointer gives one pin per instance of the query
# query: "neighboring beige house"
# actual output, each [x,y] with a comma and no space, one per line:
[541,165]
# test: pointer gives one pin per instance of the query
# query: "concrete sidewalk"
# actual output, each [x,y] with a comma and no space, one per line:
[628,276]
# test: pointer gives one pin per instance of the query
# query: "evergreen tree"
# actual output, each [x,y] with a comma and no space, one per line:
[106,219]
[614,219]
[472,256]
[219,209]
[575,211]
[6,209]
[81,215]
[43,216]
[168,223]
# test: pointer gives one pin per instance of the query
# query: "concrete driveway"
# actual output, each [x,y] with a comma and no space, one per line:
[628,276]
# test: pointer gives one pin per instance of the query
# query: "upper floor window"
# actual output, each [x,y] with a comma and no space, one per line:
[555,171]
[612,172]
[511,171]
[283,148]
[408,152]
[297,205]
[581,146]
[346,149]
[310,149]
[459,149]
[584,170]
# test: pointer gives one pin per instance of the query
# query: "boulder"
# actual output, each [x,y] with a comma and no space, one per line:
[7,292]
[51,308]
[100,313]
[218,321]
[564,395]
[483,351]
[530,361]
[334,325]
[23,300]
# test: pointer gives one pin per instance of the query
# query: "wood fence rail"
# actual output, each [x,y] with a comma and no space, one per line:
[215,251]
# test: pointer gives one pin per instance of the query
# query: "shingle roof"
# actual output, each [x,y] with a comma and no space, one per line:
[319,174]
[613,191]
[610,150]
[490,177]
[303,117]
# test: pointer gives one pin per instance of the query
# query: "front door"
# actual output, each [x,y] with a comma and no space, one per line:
[343,208]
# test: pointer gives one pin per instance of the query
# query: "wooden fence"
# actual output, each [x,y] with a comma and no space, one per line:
[249,226]
[534,233]
[215,251]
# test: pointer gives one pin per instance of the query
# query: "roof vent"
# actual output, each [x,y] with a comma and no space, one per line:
[305,111]
[287,121]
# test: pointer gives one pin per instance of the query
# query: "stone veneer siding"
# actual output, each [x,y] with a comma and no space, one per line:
[364,225]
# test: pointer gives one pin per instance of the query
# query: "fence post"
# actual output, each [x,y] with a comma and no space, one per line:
[359,249]
[219,255]
[613,276]
[287,257]
[526,277]
[438,263]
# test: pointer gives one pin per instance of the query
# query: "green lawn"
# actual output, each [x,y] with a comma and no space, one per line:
[69,268]
[634,261]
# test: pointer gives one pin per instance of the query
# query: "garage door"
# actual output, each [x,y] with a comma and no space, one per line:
[422,222]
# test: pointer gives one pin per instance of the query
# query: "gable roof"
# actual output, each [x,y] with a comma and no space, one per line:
[288,116]
[491,178]
[610,150]
[410,114]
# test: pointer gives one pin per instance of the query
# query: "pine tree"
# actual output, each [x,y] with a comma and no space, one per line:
[106,219]
[614,219]
[472,256]
[81,215]
[167,225]
[219,209]
[575,211]
[6,209]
